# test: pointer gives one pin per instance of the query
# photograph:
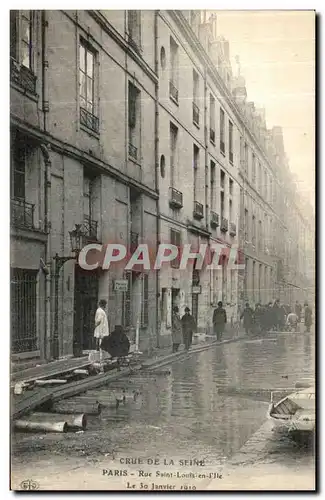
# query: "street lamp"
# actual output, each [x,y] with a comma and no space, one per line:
[76,240]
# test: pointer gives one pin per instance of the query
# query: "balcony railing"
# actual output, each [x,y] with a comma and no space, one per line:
[224,225]
[23,76]
[90,228]
[134,241]
[173,92]
[133,151]
[196,114]
[222,147]
[22,214]
[89,120]
[175,198]
[214,219]
[212,135]
[198,210]
[233,229]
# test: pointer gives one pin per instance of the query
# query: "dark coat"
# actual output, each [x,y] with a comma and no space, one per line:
[188,324]
[308,316]
[219,316]
[176,329]
[116,344]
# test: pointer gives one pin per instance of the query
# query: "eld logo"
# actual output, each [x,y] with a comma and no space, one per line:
[29,484]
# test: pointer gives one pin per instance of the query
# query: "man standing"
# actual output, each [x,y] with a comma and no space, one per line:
[219,320]
[308,317]
[188,328]
[298,309]
[176,329]
[248,315]
[101,326]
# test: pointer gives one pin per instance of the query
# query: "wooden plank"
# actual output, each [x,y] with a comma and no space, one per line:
[45,371]
[38,397]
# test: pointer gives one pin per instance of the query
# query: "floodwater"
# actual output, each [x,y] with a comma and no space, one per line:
[179,415]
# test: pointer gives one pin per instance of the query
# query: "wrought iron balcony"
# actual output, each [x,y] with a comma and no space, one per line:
[23,76]
[175,198]
[224,225]
[90,228]
[214,219]
[89,120]
[222,147]
[133,151]
[173,92]
[196,114]
[22,214]
[198,210]
[134,241]
[212,135]
[232,230]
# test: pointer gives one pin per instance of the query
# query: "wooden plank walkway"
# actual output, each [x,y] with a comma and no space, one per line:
[28,401]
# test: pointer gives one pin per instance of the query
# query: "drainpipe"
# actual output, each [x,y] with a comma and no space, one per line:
[47,188]
[207,179]
[157,173]
[47,227]
[45,65]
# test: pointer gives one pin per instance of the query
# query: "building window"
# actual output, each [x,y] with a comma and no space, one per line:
[173,83]
[212,119]
[173,153]
[246,158]
[196,153]
[230,210]
[134,98]
[175,239]
[212,185]
[162,166]
[246,225]
[253,169]
[23,286]
[231,153]
[253,230]
[231,187]
[134,28]
[222,131]
[196,109]
[222,204]
[90,225]
[88,111]
[145,300]
[18,168]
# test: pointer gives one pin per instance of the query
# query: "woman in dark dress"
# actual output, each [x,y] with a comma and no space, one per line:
[116,344]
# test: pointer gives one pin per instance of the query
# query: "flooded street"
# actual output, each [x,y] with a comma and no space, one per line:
[180,416]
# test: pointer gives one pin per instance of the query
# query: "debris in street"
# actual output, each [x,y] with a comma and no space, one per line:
[53,381]
[73,421]
[30,425]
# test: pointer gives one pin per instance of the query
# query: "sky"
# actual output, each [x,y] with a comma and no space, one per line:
[277,58]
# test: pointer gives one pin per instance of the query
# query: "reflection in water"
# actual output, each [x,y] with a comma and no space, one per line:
[188,413]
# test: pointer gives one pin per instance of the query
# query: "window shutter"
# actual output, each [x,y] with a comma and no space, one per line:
[132,106]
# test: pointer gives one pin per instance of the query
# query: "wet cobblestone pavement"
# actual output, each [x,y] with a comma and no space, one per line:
[181,416]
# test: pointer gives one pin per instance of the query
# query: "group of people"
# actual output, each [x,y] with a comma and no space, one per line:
[270,317]
[275,317]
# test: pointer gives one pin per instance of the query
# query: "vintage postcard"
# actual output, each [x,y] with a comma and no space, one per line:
[162,173]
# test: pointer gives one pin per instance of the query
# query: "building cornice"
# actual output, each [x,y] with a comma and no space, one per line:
[81,156]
